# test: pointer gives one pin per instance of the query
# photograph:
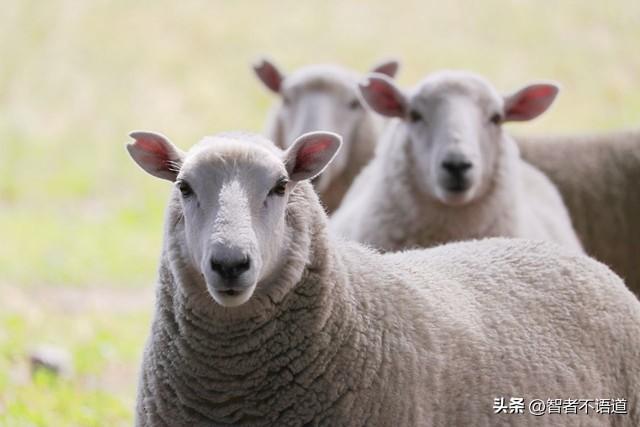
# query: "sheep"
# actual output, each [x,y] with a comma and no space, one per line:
[597,176]
[446,171]
[325,97]
[263,317]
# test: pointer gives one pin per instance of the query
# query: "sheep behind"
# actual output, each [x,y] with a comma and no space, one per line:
[446,170]
[325,97]
[598,176]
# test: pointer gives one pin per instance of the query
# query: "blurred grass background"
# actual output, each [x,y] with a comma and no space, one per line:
[80,224]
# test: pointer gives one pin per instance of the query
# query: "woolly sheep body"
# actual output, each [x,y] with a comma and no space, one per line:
[597,176]
[346,336]
[387,209]
[351,347]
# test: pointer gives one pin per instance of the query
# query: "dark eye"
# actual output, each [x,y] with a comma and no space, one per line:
[286,100]
[496,119]
[185,188]
[354,104]
[415,116]
[279,188]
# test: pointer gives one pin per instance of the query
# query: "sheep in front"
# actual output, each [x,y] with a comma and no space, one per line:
[446,170]
[325,97]
[597,175]
[263,318]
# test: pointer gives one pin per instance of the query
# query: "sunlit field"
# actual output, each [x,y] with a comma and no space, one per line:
[81,225]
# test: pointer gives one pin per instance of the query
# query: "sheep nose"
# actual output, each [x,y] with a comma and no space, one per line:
[230,269]
[457,168]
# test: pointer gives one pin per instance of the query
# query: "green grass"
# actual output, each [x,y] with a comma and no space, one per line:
[102,330]
[76,215]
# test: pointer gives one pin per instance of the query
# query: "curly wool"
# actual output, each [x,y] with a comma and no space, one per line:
[426,337]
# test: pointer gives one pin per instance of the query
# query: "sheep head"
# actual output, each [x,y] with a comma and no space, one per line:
[318,97]
[233,190]
[453,120]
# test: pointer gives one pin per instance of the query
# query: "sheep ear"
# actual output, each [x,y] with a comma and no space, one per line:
[269,74]
[310,154]
[383,96]
[529,102]
[389,67]
[155,154]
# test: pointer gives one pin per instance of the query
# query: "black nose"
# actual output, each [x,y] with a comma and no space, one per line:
[457,168]
[230,269]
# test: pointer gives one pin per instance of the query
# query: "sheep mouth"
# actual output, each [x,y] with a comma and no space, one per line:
[231,297]
[456,193]
[458,186]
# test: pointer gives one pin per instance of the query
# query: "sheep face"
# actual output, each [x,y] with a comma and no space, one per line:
[319,97]
[321,103]
[453,123]
[233,192]
[233,201]
[454,131]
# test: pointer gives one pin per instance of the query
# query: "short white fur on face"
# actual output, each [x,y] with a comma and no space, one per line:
[453,121]
[234,215]
[329,105]
[454,140]
[319,97]
[233,194]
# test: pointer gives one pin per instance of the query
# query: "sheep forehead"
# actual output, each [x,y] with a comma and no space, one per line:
[234,154]
[322,77]
[458,84]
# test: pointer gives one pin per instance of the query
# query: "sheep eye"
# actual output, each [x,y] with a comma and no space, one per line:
[185,188]
[279,188]
[496,119]
[286,100]
[415,116]
[354,105]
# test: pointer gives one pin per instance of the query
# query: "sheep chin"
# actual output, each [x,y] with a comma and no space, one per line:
[231,298]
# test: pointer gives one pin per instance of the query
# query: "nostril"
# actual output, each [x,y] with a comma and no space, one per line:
[456,167]
[215,265]
[243,266]
[464,166]
[230,269]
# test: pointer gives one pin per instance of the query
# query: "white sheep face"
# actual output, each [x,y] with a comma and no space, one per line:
[454,131]
[321,104]
[233,201]
[234,190]
[319,97]
[453,123]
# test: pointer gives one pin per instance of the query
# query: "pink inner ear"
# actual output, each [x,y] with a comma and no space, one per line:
[152,146]
[389,68]
[269,75]
[155,153]
[308,154]
[530,102]
[541,91]
[384,97]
